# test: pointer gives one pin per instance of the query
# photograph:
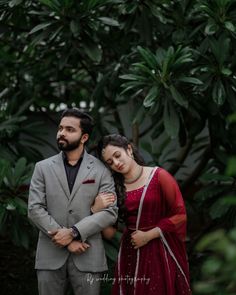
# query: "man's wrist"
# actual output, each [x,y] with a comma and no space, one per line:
[75,233]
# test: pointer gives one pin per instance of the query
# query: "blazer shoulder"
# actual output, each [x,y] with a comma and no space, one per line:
[97,162]
[49,160]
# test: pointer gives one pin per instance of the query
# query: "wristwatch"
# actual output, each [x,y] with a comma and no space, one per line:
[75,233]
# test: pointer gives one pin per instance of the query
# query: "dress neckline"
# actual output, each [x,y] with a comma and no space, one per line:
[136,189]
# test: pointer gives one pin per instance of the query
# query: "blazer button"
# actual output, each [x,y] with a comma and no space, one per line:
[70,211]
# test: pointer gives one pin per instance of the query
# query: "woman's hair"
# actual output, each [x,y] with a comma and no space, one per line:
[122,142]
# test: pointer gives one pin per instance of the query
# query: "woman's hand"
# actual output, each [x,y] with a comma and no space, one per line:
[108,232]
[141,238]
[102,201]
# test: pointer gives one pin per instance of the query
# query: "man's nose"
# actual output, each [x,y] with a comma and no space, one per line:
[61,133]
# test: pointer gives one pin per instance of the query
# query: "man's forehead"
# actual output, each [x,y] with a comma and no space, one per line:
[70,121]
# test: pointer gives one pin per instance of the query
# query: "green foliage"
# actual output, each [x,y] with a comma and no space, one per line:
[160,72]
[219,248]
[218,270]
[18,136]
[112,249]
[14,181]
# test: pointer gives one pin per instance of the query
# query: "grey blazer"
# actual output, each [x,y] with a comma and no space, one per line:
[51,206]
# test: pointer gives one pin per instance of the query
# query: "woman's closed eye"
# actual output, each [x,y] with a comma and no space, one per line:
[109,162]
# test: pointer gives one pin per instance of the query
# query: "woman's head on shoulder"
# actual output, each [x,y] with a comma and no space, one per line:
[118,153]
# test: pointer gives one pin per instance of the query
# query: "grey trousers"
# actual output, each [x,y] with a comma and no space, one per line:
[55,282]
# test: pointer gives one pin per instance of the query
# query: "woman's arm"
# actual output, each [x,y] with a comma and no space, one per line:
[176,218]
[102,201]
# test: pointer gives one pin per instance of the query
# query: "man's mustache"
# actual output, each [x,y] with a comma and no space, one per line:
[62,138]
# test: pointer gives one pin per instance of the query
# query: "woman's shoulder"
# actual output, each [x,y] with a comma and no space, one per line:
[159,173]
[152,170]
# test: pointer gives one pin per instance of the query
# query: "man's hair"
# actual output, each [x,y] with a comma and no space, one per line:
[86,122]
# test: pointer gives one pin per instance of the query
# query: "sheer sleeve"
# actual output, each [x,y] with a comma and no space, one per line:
[175,220]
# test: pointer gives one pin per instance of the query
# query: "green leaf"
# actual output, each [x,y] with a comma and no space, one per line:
[231,167]
[215,177]
[160,55]
[210,239]
[218,93]
[231,200]
[93,50]
[53,4]
[209,192]
[219,209]
[178,97]
[151,97]
[109,21]
[14,3]
[168,60]
[139,115]
[211,28]
[148,56]
[132,85]
[20,205]
[220,48]
[140,67]
[211,266]
[74,27]
[190,80]
[171,120]
[133,77]
[40,27]
[20,168]
[226,71]
[230,26]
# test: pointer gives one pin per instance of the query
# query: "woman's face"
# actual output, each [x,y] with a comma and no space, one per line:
[119,159]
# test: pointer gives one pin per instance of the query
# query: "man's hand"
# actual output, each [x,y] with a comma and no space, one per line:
[77,247]
[61,237]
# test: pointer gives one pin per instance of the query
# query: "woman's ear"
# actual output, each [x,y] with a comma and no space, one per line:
[130,150]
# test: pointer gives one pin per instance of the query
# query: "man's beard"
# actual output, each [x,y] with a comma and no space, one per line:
[66,146]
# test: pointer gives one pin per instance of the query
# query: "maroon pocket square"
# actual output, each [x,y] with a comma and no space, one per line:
[88,181]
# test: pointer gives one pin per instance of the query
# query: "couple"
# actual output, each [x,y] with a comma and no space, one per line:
[71,201]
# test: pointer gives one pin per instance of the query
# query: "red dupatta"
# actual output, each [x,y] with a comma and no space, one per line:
[169,211]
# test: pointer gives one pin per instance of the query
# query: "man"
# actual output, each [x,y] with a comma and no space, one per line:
[62,191]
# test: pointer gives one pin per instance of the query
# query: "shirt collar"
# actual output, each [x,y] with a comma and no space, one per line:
[64,157]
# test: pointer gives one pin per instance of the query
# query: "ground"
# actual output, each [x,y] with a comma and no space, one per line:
[17,274]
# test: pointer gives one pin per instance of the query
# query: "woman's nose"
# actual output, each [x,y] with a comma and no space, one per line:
[116,162]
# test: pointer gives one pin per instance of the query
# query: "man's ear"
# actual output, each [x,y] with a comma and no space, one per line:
[84,138]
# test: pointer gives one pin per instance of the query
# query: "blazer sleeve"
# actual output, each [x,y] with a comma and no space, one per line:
[37,206]
[95,223]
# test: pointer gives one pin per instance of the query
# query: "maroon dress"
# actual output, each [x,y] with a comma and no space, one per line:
[160,267]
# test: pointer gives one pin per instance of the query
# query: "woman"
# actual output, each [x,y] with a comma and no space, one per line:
[152,257]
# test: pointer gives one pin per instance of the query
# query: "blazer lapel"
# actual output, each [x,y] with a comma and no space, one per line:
[59,169]
[84,170]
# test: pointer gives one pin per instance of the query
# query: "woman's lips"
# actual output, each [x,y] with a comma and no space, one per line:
[120,167]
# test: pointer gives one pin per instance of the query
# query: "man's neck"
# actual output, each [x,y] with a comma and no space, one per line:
[74,156]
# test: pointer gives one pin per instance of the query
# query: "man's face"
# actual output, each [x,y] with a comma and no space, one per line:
[69,135]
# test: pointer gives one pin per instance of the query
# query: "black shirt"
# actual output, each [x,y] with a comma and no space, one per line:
[71,170]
